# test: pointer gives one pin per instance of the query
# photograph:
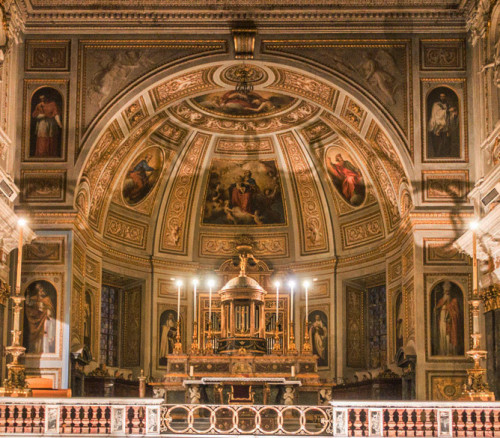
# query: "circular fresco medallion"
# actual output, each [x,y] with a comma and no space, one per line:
[251,73]
[142,175]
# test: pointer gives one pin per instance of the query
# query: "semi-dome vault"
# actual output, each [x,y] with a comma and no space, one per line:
[191,164]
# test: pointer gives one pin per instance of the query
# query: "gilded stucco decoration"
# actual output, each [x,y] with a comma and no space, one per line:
[355,327]
[273,245]
[445,185]
[232,146]
[194,117]
[124,230]
[313,229]
[174,231]
[362,231]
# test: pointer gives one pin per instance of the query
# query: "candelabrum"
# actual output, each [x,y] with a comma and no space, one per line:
[195,348]
[209,348]
[15,383]
[277,345]
[178,344]
[476,388]
[292,349]
[306,347]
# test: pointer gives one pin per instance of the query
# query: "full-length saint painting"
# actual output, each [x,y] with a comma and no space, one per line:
[142,176]
[87,320]
[399,319]
[443,124]
[40,318]
[447,319]
[244,193]
[345,175]
[318,333]
[46,124]
[167,335]
[236,103]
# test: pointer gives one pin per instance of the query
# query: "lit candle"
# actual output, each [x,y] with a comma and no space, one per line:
[306,286]
[292,285]
[21,223]
[211,283]
[195,284]
[277,284]
[179,285]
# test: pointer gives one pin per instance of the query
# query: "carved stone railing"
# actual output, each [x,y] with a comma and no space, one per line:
[75,416]
[149,417]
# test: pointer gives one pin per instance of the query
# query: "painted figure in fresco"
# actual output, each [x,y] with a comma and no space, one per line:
[40,318]
[237,103]
[347,178]
[244,193]
[399,322]
[447,320]
[167,336]
[443,126]
[139,180]
[47,130]
[377,74]
[87,320]
[319,337]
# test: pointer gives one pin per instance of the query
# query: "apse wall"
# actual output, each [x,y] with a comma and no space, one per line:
[153,147]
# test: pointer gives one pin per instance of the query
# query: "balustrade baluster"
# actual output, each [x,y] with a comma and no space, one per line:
[461,418]
[427,426]
[469,423]
[10,419]
[400,423]
[356,430]
[480,429]
[3,419]
[85,419]
[488,429]
[391,424]
[94,420]
[496,422]
[410,422]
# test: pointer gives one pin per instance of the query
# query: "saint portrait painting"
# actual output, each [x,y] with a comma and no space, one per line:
[167,335]
[142,175]
[244,193]
[46,124]
[40,318]
[345,175]
[318,333]
[447,319]
[443,124]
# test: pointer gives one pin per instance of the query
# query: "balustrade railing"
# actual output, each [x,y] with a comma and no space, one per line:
[121,417]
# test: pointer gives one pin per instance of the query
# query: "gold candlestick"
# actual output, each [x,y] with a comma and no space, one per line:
[195,348]
[277,345]
[209,349]
[306,347]
[292,348]
[178,344]
[15,383]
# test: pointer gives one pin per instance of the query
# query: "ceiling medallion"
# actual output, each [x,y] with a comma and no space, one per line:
[250,74]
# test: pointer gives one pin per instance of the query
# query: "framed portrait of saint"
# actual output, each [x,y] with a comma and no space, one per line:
[447,319]
[40,318]
[444,132]
[45,122]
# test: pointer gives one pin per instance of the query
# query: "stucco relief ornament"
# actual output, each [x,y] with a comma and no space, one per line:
[477,20]
[248,72]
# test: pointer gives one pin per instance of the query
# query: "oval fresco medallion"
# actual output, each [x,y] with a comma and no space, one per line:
[234,103]
[142,175]
[346,176]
